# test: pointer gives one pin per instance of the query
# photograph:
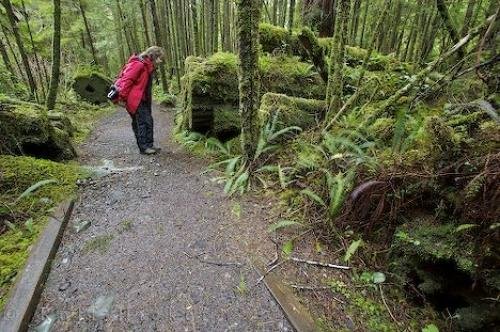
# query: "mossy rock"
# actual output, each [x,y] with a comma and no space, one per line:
[289,111]
[92,86]
[29,129]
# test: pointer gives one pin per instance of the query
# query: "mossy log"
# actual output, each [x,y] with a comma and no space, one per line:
[289,111]
[92,86]
[28,129]
[210,89]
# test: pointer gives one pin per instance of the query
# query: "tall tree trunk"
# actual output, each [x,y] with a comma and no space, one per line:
[6,61]
[118,25]
[123,27]
[363,28]
[226,26]
[157,33]
[89,33]
[468,17]
[291,15]
[353,28]
[145,22]
[334,92]
[39,71]
[56,56]
[196,30]
[249,80]
[16,60]
[12,20]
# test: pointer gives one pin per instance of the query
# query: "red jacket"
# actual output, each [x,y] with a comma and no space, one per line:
[133,82]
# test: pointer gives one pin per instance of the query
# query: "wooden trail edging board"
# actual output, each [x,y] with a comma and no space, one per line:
[26,293]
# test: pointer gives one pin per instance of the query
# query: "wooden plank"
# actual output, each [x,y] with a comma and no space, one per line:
[297,314]
[26,293]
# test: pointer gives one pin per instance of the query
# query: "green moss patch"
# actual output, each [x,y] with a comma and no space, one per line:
[23,218]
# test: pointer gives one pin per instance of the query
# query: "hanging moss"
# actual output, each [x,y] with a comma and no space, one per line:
[29,129]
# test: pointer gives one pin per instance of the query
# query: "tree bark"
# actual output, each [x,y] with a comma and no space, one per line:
[24,57]
[291,15]
[56,56]
[6,61]
[334,92]
[315,52]
[249,81]
[145,22]
[157,33]
[89,34]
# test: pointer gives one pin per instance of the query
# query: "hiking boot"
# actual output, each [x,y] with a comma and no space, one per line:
[148,151]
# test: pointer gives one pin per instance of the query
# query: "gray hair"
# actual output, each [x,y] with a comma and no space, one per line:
[153,52]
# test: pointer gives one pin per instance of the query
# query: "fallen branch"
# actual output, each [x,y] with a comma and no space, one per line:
[387,306]
[213,263]
[267,272]
[313,288]
[333,266]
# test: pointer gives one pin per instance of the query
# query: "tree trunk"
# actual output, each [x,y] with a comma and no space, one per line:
[196,31]
[226,22]
[6,61]
[315,52]
[39,71]
[334,92]
[56,56]
[468,17]
[353,29]
[157,34]
[249,81]
[118,25]
[12,20]
[363,28]
[89,34]
[291,15]
[16,60]
[145,22]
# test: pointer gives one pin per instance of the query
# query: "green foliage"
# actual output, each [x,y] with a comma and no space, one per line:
[26,198]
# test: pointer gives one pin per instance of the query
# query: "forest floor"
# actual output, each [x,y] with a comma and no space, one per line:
[165,249]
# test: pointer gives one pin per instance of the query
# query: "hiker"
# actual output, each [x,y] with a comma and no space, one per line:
[134,87]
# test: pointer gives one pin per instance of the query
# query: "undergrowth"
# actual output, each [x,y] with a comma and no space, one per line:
[29,189]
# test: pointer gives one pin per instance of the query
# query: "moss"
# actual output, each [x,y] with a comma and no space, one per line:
[99,243]
[290,111]
[91,85]
[16,175]
[274,39]
[213,84]
[29,129]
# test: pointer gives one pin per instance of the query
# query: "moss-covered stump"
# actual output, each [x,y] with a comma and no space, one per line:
[28,129]
[285,111]
[212,84]
[92,86]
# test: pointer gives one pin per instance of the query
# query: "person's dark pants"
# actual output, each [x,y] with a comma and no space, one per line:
[142,124]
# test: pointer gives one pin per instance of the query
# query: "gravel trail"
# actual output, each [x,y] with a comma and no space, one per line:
[165,249]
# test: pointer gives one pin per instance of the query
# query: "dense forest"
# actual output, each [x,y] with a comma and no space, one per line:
[373,127]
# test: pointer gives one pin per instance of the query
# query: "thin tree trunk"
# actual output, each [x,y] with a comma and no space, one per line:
[157,34]
[363,28]
[56,56]
[89,34]
[249,81]
[12,20]
[291,15]
[468,17]
[6,61]
[117,20]
[145,22]
[334,92]
[14,55]
[39,71]
[226,27]
[123,28]
[353,28]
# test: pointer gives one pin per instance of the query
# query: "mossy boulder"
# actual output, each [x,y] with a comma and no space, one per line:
[92,86]
[286,111]
[212,84]
[28,129]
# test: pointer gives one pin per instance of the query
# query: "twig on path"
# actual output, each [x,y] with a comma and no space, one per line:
[333,266]
[313,288]
[211,262]
[267,272]
[387,306]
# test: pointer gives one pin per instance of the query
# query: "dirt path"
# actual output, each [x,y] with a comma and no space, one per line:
[163,251]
